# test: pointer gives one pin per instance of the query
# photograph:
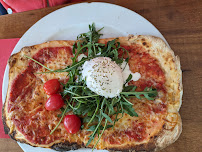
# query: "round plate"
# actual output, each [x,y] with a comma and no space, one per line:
[66,23]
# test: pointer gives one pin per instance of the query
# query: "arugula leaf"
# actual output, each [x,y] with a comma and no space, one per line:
[148,93]
[130,110]
[107,117]
[128,88]
[129,78]
[92,128]
[63,114]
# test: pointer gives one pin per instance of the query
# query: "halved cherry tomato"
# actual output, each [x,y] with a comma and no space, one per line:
[51,86]
[54,102]
[72,123]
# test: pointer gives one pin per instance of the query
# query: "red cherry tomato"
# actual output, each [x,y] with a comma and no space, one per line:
[72,123]
[54,102]
[51,86]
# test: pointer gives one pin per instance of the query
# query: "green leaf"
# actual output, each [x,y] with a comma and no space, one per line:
[81,97]
[90,140]
[95,112]
[149,94]
[38,63]
[129,78]
[107,117]
[109,126]
[130,110]
[82,127]
[86,119]
[127,59]
[66,109]
[92,128]
[126,100]
[128,88]
[100,135]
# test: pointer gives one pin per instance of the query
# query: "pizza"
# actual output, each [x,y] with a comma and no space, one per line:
[157,125]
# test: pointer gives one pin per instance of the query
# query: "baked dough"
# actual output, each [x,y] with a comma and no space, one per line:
[166,126]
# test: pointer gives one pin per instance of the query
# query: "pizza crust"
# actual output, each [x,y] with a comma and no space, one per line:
[170,133]
[158,49]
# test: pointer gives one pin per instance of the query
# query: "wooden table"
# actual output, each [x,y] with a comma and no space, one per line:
[180,21]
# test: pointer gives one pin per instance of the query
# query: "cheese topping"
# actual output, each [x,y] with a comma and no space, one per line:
[103,76]
[81,56]
[126,72]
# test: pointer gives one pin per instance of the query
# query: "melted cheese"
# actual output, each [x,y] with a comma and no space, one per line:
[103,76]
[126,72]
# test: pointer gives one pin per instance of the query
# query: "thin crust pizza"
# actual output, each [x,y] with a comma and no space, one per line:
[157,125]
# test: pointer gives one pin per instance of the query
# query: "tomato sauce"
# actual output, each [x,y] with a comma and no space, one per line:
[113,140]
[138,132]
[140,61]
[160,108]
[22,87]
[21,81]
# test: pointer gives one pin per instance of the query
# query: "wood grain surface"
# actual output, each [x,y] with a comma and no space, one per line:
[180,22]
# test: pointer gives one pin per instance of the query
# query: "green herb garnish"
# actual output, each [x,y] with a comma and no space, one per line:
[96,111]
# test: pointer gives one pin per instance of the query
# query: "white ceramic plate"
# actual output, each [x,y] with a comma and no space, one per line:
[66,23]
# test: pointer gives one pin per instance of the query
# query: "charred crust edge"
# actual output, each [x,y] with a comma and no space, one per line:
[6,128]
[65,146]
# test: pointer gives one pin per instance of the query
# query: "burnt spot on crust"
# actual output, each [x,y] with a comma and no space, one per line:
[65,146]
[12,135]
[164,126]
[12,60]
[15,57]
[31,48]
[130,36]
[6,128]
[144,43]
[155,137]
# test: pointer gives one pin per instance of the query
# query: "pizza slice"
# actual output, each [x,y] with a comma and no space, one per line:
[156,125]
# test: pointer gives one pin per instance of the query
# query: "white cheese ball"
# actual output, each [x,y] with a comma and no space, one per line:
[103,76]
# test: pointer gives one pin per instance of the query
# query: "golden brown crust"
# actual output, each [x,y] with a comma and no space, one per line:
[171,131]
[157,49]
